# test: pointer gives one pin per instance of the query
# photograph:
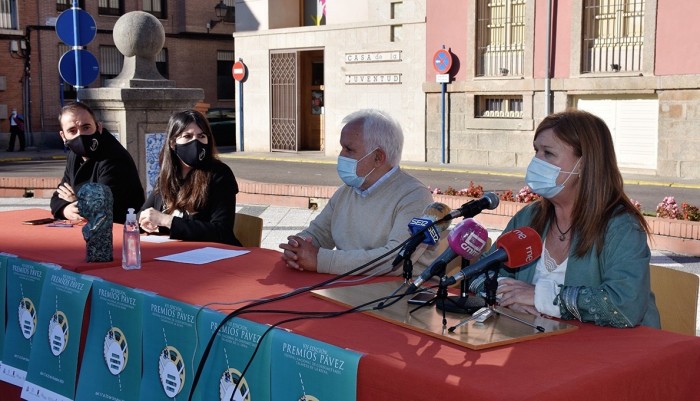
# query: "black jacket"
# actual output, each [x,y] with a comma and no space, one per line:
[212,223]
[115,168]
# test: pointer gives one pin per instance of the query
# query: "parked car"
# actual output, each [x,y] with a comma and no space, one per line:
[223,125]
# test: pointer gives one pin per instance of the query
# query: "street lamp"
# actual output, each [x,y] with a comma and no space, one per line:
[221,10]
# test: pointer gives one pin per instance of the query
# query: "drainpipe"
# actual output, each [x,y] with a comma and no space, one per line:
[547,78]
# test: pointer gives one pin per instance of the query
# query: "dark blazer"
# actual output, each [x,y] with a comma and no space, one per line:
[213,222]
[114,168]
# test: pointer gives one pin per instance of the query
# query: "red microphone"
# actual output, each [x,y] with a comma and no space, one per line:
[516,248]
[466,239]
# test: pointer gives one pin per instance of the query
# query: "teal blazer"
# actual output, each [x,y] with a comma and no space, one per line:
[610,288]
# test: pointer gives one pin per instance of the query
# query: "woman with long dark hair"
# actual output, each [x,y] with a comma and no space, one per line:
[195,196]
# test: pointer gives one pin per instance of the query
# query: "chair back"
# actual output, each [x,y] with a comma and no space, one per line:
[248,230]
[676,294]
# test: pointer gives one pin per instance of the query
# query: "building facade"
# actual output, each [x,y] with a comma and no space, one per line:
[312,62]
[198,53]
[631,62]
[512,63]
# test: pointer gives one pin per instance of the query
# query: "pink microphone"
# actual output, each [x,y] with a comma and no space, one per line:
[515,249]
[466,239]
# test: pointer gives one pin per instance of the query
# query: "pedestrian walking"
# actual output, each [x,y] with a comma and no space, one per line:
[16,130]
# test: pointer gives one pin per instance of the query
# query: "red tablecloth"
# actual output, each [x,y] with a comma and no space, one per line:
[591,363]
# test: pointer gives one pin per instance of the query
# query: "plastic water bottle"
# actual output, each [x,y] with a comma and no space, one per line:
[131,247]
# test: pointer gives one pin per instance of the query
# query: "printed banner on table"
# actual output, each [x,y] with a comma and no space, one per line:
[25,281]
[306,369]
[3,298]
[169,344]
[111,367]
[234,345]
[53,362]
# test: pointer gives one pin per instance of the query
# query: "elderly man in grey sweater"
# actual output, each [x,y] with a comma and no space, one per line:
[369,214]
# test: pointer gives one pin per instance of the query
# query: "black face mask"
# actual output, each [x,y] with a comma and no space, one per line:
[85,145]
[192,153]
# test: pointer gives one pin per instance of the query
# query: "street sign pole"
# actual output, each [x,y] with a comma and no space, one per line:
[240,73]
[76,35]
[442,62]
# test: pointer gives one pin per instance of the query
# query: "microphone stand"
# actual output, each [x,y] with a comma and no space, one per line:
[463,304]
[407,276]
[490,287]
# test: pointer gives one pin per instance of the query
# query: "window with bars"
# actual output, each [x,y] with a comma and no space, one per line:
[158,8]
[111,62]
[62,5]
[500,37]
[8,14]
[225,85]
[162,63]
[510,106]
[613,35]
[110,7]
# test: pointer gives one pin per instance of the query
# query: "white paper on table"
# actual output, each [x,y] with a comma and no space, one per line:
[157,238]
[202,255]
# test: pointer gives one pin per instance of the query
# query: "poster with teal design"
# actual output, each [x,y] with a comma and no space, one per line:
[53,362]
[111,367]
[310,370]
[3,298]
[169,346]
[232,349]
[25,281]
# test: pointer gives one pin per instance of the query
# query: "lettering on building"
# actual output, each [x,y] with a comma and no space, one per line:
[372,79]
[373,57]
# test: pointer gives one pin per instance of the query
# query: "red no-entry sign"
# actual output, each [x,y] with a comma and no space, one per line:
[239,71]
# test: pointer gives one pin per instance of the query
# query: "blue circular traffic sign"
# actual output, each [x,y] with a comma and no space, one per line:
[76,19]
[442,61]
[88,71]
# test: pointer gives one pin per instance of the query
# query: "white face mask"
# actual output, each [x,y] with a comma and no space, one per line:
[347,170]
[541,177]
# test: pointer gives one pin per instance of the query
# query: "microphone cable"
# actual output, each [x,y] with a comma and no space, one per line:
[303,315]
[290,294]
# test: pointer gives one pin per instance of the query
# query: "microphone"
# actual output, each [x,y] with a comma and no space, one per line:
[489,201]
[516,248]
[466,239]
[432,213]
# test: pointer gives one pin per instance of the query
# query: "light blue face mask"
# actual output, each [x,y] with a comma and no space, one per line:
[541,177]
[347,170]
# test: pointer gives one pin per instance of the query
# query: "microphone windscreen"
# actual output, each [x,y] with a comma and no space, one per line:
[522,245]
[468,238]
[437,211]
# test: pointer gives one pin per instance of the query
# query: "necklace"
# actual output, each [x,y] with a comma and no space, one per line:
[562,234]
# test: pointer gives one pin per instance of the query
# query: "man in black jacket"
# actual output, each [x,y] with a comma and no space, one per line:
[95,156]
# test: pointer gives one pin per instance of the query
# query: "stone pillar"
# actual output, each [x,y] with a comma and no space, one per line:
[136,105]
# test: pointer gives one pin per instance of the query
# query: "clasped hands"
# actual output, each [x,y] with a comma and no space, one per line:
[150,219]
[300,253]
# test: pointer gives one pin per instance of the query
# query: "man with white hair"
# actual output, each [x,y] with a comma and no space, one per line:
[369,215]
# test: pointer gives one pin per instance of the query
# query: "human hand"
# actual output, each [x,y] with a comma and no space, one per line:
[150,219]
[66,192]
[517,295]
[300,253]
[72,213]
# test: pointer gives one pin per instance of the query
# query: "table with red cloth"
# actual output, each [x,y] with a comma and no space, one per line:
[591,363]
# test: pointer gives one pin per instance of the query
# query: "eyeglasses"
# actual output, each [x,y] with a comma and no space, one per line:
[188,136]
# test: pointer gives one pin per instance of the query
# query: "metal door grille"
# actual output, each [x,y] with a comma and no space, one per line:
[284,124]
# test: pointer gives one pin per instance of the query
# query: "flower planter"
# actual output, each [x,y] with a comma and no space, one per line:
[678,236]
